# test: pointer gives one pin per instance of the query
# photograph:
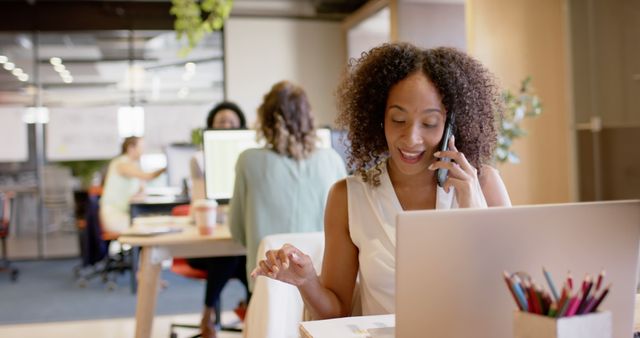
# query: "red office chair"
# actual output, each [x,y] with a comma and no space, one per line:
[180,265]
[6,200]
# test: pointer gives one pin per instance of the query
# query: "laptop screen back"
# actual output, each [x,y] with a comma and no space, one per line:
[450,263]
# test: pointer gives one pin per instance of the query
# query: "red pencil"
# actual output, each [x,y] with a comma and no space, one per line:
[569,280]
[600,278]
[563,303]
[535,300]
[600,299]
[573,306]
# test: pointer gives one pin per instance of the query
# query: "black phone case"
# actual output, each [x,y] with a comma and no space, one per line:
[441,174]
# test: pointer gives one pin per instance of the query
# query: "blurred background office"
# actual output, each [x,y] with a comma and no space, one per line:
[76,77]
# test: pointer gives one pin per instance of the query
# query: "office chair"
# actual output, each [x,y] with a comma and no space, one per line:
[6,200]
[95,251]
[276,308]
[181,267]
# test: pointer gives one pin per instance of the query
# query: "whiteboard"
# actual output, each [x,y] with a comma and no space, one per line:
[86,133]
[164,125]
[14,142]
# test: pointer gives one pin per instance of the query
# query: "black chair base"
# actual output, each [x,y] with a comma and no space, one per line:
[13,272]
[106,269]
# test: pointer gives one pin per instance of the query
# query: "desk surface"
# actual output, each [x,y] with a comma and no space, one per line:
[357,326]
[188,235]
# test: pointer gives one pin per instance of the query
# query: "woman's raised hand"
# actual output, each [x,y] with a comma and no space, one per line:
[288,264]
[462,176]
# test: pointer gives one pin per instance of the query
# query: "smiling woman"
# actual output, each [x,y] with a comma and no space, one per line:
[395,101]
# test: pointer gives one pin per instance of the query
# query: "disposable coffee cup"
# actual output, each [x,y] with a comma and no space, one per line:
[205,214]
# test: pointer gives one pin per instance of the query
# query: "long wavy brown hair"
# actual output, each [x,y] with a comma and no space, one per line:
[466,86]
[285,121]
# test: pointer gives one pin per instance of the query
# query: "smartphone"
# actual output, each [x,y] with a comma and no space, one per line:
[449,126]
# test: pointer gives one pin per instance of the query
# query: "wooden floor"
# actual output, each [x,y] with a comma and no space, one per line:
[108,328]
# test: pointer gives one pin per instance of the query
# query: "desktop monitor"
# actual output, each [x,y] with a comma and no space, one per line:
[221,151]
[449,263]
[178,162]
[324,136]
[150,162]
[340,143]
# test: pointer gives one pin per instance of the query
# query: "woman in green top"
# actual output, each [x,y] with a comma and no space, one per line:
[283,187]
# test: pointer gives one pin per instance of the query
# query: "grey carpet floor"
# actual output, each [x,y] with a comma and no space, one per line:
[47,291]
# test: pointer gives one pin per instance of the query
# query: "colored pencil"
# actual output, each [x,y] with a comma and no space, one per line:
[552,287]
[599,301]
[600,278]
[507,280]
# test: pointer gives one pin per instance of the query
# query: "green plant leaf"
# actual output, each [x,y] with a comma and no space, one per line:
[189,21]
[517,107]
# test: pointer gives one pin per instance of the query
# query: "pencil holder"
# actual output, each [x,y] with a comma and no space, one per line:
[593,325]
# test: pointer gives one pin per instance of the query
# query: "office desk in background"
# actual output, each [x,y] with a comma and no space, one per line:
[156,205]
[155,249]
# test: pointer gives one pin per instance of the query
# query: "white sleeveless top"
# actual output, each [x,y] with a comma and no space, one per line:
[372,215]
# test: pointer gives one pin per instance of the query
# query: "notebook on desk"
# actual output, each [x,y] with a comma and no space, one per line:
[449,263]
[362,327]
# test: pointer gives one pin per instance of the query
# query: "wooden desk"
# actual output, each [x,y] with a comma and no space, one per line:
[155,249]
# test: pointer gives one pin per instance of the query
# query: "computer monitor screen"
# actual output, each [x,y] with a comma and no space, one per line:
[221,151]
[178,160]
[341,145]
[151,162]
[324,134]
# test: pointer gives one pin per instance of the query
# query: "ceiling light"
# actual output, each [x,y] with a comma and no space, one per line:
[59,68]
[65,73]
[183,92]
[17,72]
[68,79]
[190,67]
[23,77]
[3,59]
[55,61]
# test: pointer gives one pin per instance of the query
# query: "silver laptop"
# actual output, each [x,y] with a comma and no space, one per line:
[450,263]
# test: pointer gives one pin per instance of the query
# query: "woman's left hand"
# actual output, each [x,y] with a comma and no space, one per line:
[462,176]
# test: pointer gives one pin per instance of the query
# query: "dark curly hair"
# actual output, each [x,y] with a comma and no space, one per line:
[285,121]
[466,86]
[226,105]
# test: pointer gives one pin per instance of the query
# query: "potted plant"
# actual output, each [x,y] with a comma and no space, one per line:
[197,18]
[518,106]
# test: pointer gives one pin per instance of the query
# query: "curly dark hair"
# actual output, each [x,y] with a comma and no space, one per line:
[466,86]
[286,122]
[226,105]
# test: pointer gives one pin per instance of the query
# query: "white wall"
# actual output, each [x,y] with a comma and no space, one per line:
[429,25]
[370,32]
[262,51]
